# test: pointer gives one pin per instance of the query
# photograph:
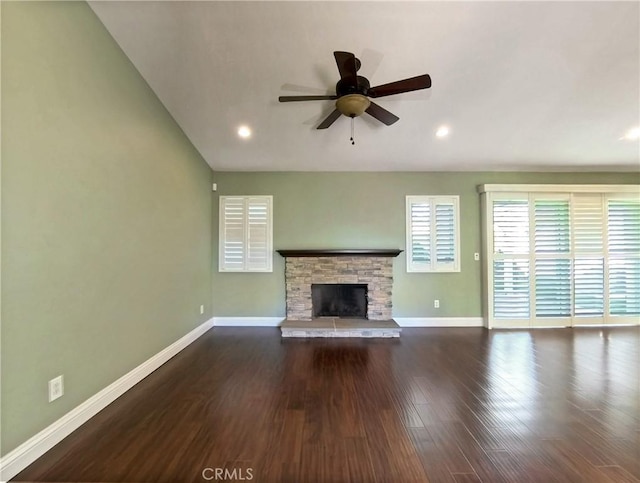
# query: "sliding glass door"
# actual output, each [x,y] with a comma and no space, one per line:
[562,259]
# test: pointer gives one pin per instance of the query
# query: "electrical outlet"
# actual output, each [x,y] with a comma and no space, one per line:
[56,388]
[202,309]
[476,257]
[436,304]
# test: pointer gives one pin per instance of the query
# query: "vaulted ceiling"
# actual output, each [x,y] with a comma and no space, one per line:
[521,85]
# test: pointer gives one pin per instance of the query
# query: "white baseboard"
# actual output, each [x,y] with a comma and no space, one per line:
[17,460]
[247,321]
[402,321]
[439,321]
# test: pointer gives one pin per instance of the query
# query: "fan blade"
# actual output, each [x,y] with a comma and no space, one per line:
[381,114]
[331,118]
[347,67]
[398,87]
[306,98]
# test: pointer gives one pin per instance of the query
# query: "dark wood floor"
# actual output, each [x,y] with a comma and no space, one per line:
[437,405]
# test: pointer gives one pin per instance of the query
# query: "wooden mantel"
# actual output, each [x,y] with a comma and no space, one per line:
[353,252]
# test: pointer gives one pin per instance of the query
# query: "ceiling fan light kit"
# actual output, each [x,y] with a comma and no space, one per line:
[353,93]
[353,105]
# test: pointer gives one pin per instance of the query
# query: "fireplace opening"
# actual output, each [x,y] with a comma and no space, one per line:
[339,300]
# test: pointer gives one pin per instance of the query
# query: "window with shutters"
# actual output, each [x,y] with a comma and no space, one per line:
[433,239]
[511,258]
[588,255]
[552,257]
[556,258]
[245,234]
[623,254]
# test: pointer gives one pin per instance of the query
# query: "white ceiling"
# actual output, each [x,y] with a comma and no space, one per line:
[522,85]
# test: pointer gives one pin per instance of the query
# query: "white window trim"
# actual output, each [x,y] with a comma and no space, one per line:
[434,267]
[221,235]
[560,188]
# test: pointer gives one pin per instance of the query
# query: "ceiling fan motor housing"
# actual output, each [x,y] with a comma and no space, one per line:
[346,86]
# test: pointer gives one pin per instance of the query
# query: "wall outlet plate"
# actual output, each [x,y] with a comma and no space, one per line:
[56,388]
[436,304]
[202,309]
[476,257]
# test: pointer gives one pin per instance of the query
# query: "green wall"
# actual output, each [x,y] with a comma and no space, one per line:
[106,216]
[367,210]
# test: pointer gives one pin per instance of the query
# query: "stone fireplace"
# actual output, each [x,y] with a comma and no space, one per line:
[370,268]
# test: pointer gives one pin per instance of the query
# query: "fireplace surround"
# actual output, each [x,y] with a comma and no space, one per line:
[372,268]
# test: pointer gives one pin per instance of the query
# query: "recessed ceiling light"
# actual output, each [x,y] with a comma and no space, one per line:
[443,131]
[632,134]
[244,132]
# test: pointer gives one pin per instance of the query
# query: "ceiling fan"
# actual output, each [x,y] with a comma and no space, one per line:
[353,92]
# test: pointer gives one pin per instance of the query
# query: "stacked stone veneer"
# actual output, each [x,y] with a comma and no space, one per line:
[301,272]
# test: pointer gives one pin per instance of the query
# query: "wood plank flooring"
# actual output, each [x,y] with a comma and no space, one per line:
[436,405]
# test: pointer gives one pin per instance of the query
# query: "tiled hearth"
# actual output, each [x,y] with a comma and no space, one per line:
[371,267]
[331,327]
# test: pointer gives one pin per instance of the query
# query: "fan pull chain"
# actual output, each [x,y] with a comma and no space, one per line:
[353,141]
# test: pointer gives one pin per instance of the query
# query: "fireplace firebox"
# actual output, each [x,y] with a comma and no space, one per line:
[348,300]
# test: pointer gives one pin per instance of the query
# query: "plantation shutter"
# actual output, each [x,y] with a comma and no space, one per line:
[588,249]
[623,244]
[420,235]
[258,249]
[432,234]
[511,289]
[445,234]
[245,233]
[232,233]
[552,258]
